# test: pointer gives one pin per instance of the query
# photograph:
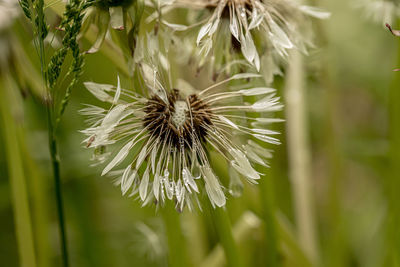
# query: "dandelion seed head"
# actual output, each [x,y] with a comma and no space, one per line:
[229,31]
[161,141]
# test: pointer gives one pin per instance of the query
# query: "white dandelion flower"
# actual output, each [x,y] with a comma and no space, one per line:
[164,137]
[278,25]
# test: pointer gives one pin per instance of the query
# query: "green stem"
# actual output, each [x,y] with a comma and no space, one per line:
[299,155]
[267,197]
[223,226]
[242,231]
[52,140]
[57,187]
[175,239]
[289,242]
[220,217]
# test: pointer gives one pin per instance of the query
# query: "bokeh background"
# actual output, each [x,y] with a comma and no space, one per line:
[349,166]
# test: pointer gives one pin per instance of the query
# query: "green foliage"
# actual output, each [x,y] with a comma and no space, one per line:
[71,25]
[352,114]
[112,3]
[40,21]
[25,5]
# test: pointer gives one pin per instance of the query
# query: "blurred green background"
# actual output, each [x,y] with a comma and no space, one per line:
[352,171]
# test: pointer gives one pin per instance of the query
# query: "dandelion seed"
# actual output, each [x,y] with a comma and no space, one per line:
[165,138]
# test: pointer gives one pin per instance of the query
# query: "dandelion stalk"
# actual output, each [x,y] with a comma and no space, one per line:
[299,155]
[267,196]
[224,229]
[175,239]
[242,230]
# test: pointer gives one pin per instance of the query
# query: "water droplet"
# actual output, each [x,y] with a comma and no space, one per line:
[235,184]
[166,173]
[242,12]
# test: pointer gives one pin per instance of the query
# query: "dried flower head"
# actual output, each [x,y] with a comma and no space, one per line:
[165,137]
[253,27]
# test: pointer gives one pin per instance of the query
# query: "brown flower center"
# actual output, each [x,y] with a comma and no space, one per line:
[179,120]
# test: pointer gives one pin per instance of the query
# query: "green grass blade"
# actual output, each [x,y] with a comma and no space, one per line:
[20,199]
